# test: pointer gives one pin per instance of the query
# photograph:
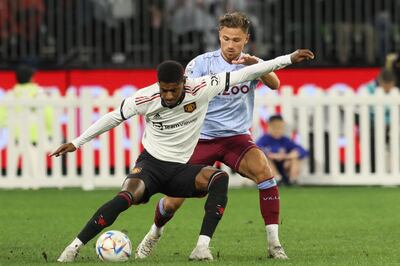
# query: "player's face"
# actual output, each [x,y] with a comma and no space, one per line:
[232,42]
[171,93]
[277,128]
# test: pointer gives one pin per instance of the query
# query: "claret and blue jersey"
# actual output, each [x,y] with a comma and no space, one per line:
[231,111]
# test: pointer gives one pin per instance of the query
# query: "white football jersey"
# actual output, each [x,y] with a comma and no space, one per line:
[171,134]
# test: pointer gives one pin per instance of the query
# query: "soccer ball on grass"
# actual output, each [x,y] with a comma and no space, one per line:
[113,246]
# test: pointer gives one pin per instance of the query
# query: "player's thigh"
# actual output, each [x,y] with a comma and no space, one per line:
[235,148]
[255,165]
[192,182]
[183,183]
[148,171]
[206,152]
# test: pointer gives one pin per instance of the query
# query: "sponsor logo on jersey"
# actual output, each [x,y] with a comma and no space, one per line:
[190,107]
[161,126]
[136,170]
[243,89]
[158,125]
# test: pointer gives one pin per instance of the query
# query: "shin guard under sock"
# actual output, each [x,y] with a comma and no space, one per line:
[161,217]
[269,201]
[215,203]
[106,215]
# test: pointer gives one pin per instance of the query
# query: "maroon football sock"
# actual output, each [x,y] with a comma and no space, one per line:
[269,204]
[161,217]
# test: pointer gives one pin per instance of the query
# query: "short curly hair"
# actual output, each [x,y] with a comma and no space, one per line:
[170,71]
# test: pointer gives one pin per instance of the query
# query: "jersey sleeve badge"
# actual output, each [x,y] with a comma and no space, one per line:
[214,80]
[190,67]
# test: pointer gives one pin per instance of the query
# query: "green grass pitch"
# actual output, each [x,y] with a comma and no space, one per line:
[319,226]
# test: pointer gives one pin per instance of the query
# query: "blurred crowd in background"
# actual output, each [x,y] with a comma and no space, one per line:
[141,33]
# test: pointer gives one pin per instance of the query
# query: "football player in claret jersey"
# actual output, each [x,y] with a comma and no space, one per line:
[225,135]
[174,110]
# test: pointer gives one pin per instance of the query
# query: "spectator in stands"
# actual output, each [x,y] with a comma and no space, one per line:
[26,123]
[284,153]
[392,63]
[190,21]
[383,34]
[20,21]
[159,34]
[386,81]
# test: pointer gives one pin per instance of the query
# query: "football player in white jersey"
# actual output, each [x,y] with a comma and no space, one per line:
[225,135]
[174,110]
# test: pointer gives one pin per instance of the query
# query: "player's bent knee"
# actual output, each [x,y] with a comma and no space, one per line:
[135,187]
[171,205]
[220,177]
[205,181]
[264,172]
[203,178]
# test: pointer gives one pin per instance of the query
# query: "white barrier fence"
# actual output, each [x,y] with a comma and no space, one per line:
[336,121]
[336,126]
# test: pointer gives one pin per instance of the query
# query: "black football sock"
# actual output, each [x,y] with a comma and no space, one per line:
[215,203]
[106,215]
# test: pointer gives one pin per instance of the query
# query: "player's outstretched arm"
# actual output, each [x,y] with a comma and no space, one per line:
[269,79]
[255,71]
[105,123]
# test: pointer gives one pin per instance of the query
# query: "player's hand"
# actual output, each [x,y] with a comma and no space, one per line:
[246,59]
[275,156]
[66,147]
[301,55]
[294,154]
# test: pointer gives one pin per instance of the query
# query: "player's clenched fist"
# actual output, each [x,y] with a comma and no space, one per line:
[301,55]
[66,147]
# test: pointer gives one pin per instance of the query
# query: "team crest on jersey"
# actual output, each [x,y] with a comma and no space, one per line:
[190,107]
[136,170]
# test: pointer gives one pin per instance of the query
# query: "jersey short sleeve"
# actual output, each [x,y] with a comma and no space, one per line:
[196,68]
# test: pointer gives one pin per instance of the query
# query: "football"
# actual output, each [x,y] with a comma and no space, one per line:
[113,246]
